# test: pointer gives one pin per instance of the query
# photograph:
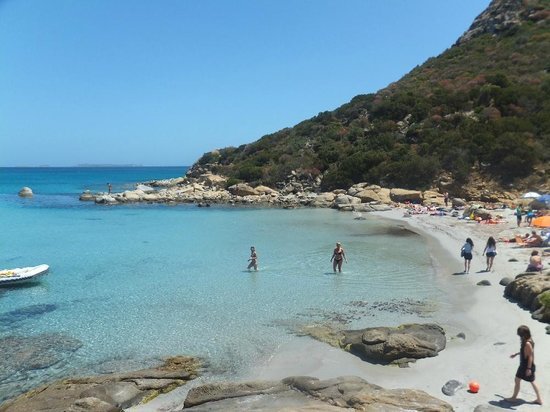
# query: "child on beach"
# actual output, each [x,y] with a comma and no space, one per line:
[253,259]
[526,370]
[490,251]
[466,253]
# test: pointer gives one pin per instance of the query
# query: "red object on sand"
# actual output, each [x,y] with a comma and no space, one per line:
[474,386]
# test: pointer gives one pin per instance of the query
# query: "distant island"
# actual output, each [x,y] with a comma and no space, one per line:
[107,165]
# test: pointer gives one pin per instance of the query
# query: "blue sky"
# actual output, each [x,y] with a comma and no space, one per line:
[162,82]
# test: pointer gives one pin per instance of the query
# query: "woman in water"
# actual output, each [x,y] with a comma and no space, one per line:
[490,251]
[253,259]
[467,254]
[338,256]
[526,370]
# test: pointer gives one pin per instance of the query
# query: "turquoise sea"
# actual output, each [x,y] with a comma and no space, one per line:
[131,284]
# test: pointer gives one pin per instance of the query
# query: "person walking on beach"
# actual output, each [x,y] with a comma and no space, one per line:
[519,212]
[338,257]
[490,251]
[253,259]
[526,369]
[466,253]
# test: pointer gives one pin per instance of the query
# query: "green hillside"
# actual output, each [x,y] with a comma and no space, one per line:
[480,108]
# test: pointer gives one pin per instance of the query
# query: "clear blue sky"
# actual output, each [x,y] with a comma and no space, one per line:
[162,82]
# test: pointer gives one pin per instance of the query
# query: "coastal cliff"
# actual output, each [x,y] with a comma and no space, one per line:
[476,114]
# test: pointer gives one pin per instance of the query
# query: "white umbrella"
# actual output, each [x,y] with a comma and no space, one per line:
[533,195]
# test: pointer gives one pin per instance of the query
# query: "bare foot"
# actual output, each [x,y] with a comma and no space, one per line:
[537,402]
[511,400]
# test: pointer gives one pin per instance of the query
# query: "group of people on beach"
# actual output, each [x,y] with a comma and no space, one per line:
[337,259]
[490,252]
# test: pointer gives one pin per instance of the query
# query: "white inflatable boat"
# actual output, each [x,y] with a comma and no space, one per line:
[22,275]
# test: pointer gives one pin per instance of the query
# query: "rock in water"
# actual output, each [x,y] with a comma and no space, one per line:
[26,192]
[451,387]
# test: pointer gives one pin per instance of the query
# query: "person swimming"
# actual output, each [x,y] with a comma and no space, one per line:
[338,256]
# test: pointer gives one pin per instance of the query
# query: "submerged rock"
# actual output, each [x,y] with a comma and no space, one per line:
[22,354]
[304,393]
[18,315]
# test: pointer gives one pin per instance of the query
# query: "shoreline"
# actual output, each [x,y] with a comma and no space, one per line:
[487,318]
[482,313]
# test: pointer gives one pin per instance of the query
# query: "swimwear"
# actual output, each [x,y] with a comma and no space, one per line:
[338,255]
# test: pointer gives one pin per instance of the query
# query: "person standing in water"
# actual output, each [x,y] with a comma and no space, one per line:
[253,259]
[490,251]
[338,257]
[526,370]
[109,188]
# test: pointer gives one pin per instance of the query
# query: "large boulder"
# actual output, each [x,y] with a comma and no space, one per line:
[107,393]
[304,393]
[25,192]
[527,288]
[405,195]
[323,200]
[343,199]
[242,189]
[433,198]
[210,179]
[131,196]
[384,345]
[145,188]
[401,344]
[87,196]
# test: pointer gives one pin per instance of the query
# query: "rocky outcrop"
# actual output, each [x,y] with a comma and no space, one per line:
[25,192]
[107,393]
[303,393]
[500,16]
[405,195]
[385,345]
[242,189]
[527,289]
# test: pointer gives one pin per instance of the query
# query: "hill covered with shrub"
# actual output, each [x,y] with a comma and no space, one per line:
[481,108]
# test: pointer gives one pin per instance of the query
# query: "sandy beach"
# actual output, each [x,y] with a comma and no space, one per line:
[488,320]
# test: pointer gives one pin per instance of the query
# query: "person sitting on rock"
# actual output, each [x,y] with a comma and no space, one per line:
[535,262]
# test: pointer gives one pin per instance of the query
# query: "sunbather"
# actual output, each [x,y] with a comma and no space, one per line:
[534,240]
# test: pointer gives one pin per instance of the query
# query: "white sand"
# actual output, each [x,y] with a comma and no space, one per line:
[482,313]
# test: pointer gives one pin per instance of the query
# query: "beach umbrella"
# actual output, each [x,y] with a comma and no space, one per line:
[544,198]
[532,195]
[543,221]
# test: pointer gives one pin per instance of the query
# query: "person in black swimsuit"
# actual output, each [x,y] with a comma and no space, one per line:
[338,256]
[253,259]
[526,370]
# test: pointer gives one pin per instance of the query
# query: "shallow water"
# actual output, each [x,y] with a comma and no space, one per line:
[139,282]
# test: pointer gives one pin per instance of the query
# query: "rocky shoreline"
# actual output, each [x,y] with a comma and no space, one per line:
[207,188]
